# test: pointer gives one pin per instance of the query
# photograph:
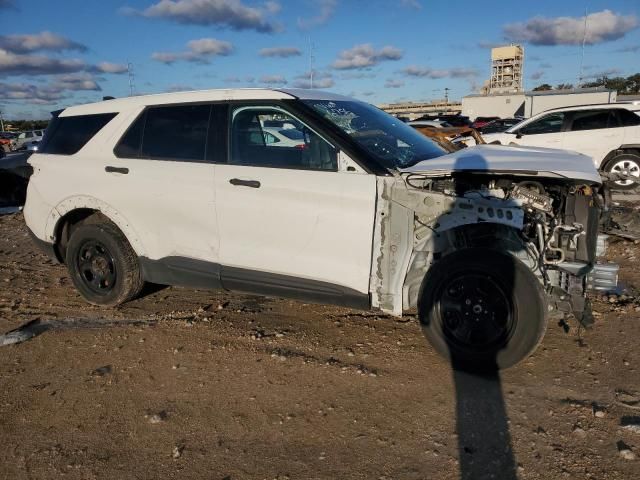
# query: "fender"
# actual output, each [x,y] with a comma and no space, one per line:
[85,201]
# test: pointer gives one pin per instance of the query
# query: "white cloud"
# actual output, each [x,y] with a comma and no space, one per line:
[108,67]
[427,72]
[232,14]
[365,56]
[282,52]
[602,26]
[12,64]
[273,80]
[391,83]
[38,41]
[326,10]
[537,75]
[320,80]
[200,51]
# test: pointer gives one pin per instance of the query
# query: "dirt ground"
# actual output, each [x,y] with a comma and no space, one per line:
[192,384]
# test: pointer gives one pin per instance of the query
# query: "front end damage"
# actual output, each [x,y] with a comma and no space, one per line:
[549,222]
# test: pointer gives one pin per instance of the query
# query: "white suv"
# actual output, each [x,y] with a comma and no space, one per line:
[184,189]
[609,133]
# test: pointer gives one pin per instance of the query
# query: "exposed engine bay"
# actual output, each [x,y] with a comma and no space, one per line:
[550,224]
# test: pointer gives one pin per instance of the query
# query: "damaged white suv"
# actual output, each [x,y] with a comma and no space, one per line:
[363,211]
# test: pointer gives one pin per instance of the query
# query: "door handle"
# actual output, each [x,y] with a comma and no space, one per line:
[237,182]
[111,169]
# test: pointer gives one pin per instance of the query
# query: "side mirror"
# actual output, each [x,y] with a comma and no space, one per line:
[518,135]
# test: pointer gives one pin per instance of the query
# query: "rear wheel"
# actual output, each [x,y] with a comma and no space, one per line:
[482,309]
[103,266]
[627,164]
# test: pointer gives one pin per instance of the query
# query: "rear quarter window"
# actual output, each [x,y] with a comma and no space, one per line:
[67,135]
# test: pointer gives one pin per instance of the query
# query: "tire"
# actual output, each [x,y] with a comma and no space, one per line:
[626,162]
[454,315]
[103,266]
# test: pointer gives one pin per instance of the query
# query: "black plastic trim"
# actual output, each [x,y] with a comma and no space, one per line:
[45,247]
[192,273]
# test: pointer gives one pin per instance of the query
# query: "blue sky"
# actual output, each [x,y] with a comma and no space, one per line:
[54,54]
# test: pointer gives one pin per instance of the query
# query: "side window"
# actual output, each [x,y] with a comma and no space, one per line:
[551,123]
[270,138]
[176,132]
[67,135]
[299,148]
[129,145]
[627,118]
[28,135]
[592,120]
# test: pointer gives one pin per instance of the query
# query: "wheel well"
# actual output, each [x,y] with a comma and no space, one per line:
[618,151]
[69,222]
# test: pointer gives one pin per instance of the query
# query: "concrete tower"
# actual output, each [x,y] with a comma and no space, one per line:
[507,64]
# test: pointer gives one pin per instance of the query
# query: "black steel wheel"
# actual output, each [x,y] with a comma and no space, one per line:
[103,266]
[482,309]
[97,267]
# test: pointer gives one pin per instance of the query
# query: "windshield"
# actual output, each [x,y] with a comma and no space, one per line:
[395,144]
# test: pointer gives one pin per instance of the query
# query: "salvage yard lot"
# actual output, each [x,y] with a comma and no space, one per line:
[193,384]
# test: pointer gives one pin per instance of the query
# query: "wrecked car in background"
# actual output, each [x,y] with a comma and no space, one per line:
[182,189]
[14,177]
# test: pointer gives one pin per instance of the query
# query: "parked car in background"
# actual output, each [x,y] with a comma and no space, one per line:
[500,125]
[31,146]
[485,242]
[7,141]
[453,120]
[430,123]
[283,137]
[608,133]
[480,122]
[26,137]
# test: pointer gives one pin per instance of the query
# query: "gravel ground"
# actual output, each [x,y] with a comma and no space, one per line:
[193,384]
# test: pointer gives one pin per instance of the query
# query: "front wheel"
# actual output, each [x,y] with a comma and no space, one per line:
[482,309]
[627,164]
[103,266]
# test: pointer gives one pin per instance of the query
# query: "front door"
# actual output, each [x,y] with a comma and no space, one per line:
[544,132]
[292,221]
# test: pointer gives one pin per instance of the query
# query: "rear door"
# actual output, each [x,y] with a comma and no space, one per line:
[293,220]
[594,133]
[160,177]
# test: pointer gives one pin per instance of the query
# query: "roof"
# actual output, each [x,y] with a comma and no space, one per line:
[118,104]
[593,106]
[538,93]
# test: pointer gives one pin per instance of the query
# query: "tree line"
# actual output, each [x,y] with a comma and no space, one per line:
[623,85]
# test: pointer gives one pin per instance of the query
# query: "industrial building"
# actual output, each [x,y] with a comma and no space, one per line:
[527,104]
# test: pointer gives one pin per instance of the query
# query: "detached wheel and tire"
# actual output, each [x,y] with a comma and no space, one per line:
[103,266]
[627,164]
[482,309]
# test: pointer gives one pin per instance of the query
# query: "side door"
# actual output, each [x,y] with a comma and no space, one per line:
[297,220]
[594,133]
[546,131]
[160,176]
[630,122]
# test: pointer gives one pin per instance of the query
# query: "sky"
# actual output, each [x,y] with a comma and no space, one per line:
[59,53]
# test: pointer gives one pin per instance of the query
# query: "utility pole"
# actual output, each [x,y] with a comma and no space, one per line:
[446,96]
[132,85]
[584,41]
[311,59]
[1,122]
